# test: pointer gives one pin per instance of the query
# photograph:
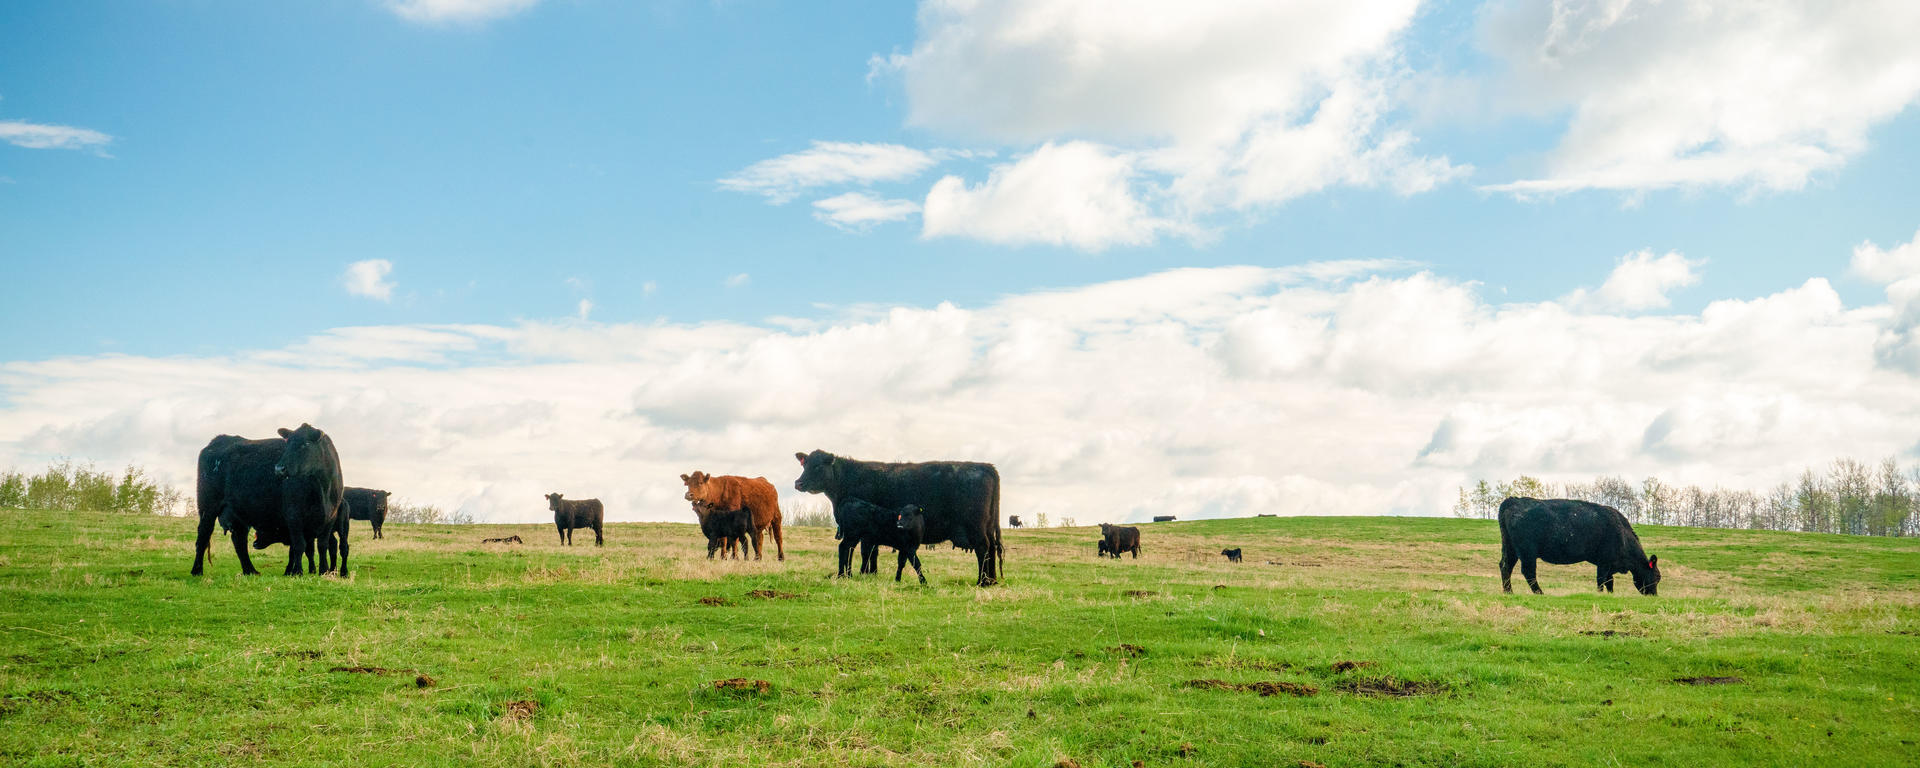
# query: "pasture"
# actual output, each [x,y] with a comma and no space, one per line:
[1372,641]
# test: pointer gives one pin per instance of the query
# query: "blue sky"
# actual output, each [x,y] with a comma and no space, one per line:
[192,181]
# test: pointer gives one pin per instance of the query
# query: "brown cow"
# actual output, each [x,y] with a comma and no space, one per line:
[755,495]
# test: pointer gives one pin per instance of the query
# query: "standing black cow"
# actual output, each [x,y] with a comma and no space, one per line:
[582,513]
[1120,538]
[726,529]
[287,487]
[1567,531]
[1233,555]
[959,499]
[369,505]
[871,526]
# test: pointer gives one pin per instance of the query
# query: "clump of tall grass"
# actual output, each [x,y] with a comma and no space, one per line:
[67,486]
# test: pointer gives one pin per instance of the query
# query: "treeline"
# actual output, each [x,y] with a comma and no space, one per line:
[1847,497]
[66,486]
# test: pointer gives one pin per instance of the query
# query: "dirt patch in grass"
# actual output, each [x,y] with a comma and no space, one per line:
[1708,680]
[382,671]
[1349,666]
[424,681]
[1262,687]
[743,684]
[1139,593]
[715,601]
[516,711]
[1128,650]
[772,594]
[1390,686]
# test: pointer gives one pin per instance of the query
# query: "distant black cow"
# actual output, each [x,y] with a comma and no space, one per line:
[1013,522]
[727,530]
[1120,538]
[369,505]
[1233,555]
[571,514]
[1163,518]
[1566,531]
[959,500]
[286,488]
[871,526]
[507,540]
[1104,549]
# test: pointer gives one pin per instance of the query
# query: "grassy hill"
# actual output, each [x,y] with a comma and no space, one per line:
[111,654]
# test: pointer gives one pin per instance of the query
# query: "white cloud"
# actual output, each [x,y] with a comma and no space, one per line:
[457,11]
[1076,194]
[1641,280]
[586,308]
[648,288]
[1705,92]
[782,178]
[369,278]
[39,136]
[856,211]
[735,281]
[1889,265]
[1344,387]
[1170,113]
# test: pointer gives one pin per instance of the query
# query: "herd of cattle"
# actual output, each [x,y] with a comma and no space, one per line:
[288,490]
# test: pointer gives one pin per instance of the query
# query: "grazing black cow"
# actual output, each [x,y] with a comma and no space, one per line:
[286,488]
[1233,555]
[871,526]
[1104,549]
[1163,518]
[1013,522]
[727,530]
[1567,531]
[508,540]
[571,514]
[369,505]
[959,500]
[1120,538]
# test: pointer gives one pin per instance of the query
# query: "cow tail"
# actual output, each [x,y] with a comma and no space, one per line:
[999,551]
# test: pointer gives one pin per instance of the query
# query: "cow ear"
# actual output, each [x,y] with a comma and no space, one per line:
[684,478]
[801,456]
[284,432]
[1653,562]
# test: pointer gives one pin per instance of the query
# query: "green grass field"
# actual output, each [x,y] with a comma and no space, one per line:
[110,654]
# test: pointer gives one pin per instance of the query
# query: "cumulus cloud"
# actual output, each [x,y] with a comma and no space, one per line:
[1704,93]
[41,136]
[1898,268]
[1162,114]
[1343,387]
[857,211]
[1640,280]
[782,178]
[1887,265]
[369,278]
[457,11]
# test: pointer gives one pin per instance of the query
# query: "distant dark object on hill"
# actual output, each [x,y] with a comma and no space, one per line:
[1266,514]
[580,513]
[508,540]
[1013,522]
[1233,555]
[1163,518]
[1567,531]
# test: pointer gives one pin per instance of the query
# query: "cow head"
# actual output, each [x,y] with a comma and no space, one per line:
[818,472]
[380,503]
[701,509]
[1646,578]
[306,452]
[695,483]
[1106,529]
[553,501]
[909,518]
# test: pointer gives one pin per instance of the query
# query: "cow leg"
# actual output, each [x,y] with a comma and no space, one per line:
[1604,578]
[1507,559]
[340,568]
[239,535]
[1526,569]
[900,564]
[869,558]
[846,558]
[779,542]
[712,546]
[597,541]
[297,543]
[985,557]
[755,533]
[203,538]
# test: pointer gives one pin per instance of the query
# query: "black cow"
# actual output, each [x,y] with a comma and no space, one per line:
[571,514]
[727,530]
[1233,555]
[369,505]
[287,488]
[1163,518]
[1013,522]
[1120,538]
[871,526]
[960,500]
[1104,549]
[1567,531]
